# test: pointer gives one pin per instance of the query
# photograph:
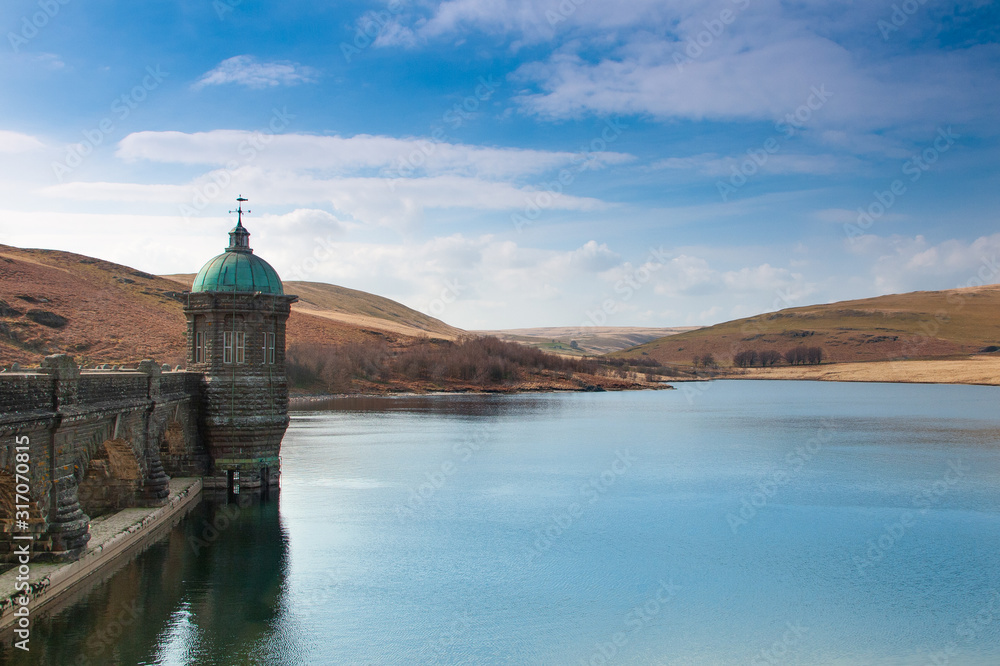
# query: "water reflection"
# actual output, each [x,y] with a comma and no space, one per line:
[440,529]
[472,404]
[206,594]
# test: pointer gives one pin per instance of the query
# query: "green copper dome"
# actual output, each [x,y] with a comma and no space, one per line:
[238,269]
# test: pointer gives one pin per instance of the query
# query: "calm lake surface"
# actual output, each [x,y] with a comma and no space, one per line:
[723,523]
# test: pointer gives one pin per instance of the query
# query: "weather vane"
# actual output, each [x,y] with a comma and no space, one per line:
[239,209]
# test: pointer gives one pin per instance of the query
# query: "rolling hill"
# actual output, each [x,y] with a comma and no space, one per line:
[356,308]
[102,312]
[590,340]
[919,325]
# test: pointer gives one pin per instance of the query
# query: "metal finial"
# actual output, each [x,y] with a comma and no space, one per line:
[239,210]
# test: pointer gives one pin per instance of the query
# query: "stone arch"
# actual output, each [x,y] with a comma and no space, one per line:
[112,479]
[90,447]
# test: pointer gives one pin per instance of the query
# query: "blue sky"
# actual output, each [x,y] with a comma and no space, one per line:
[506,163]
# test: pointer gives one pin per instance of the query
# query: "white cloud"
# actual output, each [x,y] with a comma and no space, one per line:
[710,164]
[678,60]
[761,286]
[16,142]
[761,67]
[902,264]
[526,21]
[501,283]
[397,203]
[392,157]
[246,70]
[491,15]
[514,284]
[376,180]
[49,61]
[729,86]
[305,222]
[166,244]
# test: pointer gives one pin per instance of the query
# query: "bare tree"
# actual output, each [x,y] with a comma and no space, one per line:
[769,357]
[797,355]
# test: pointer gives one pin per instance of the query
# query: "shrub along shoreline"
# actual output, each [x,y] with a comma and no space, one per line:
[473,363]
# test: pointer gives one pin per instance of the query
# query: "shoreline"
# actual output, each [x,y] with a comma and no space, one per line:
[298,400]
[112,537]
[977,370]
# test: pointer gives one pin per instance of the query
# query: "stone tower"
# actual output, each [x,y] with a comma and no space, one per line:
[236,313]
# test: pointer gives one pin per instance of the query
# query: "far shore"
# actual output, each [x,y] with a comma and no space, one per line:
[982,370]
[978,370]
[295,400]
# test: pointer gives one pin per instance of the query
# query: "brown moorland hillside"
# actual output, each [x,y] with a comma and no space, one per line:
[358,308]
[917,325]
[101,312]
[53,301]
[590,340]
[338,339]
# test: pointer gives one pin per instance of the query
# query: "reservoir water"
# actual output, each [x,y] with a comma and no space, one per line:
[723,523]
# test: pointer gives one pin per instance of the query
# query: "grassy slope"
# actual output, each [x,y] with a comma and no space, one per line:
[591,340]
[923,324]
[117,314]
[357,308]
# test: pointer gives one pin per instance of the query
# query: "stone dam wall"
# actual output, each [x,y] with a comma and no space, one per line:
[96,441]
